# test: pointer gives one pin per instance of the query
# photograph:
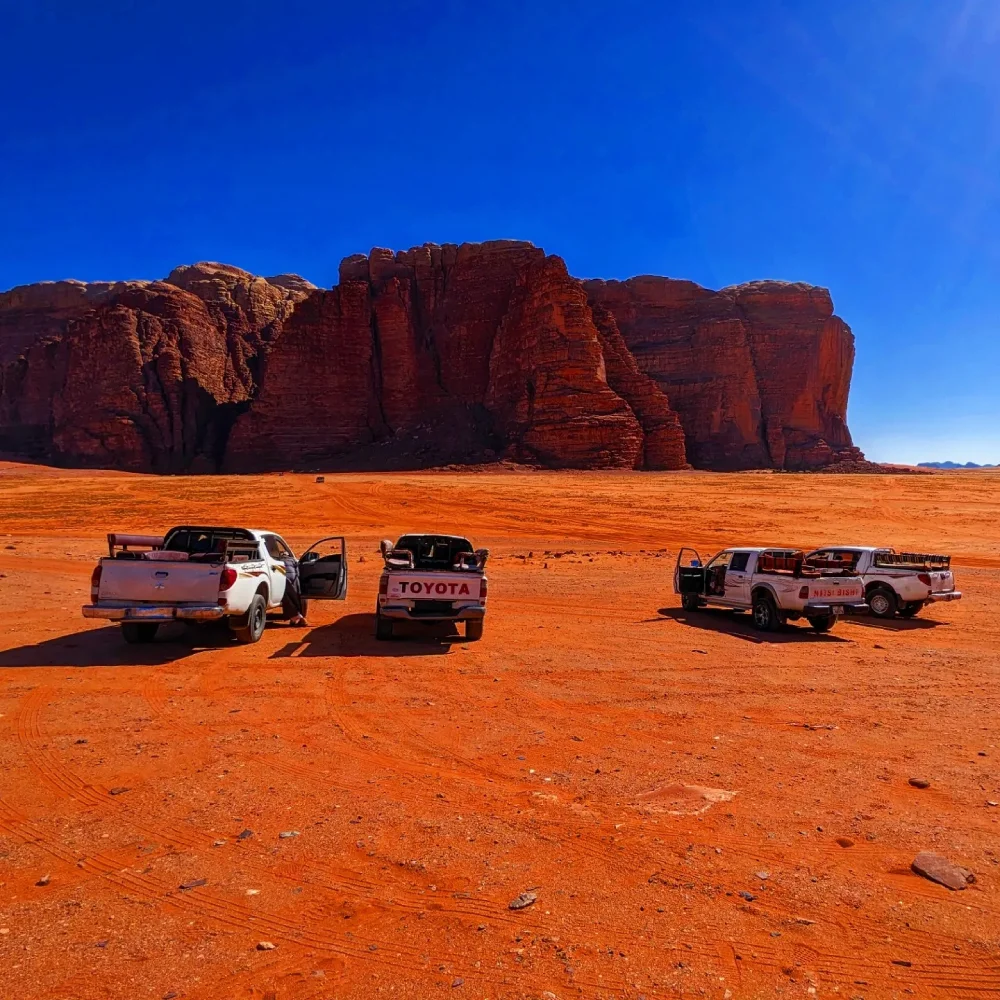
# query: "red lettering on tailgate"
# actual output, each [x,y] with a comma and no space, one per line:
[465,589]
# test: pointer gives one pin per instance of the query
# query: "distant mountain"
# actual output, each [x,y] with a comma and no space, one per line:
[954,465]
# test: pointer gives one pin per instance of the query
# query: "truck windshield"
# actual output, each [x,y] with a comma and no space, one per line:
[434,551]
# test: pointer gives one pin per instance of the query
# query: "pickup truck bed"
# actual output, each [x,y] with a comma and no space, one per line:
[895,582]
[196,573]
[432,578]
[776,585]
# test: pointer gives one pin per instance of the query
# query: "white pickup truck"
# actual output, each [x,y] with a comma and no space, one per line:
[895,582]
[198,573]
[777,585]
[432,578]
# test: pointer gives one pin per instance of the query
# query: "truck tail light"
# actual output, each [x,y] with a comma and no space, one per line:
[803,593]
[95,584]
[924,578]
[482,591]
[227,578]
[383,585]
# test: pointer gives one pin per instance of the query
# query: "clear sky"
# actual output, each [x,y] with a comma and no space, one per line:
[853,144]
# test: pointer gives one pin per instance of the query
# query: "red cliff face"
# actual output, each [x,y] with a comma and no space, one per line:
[134,375]
[436,354]
[758,373]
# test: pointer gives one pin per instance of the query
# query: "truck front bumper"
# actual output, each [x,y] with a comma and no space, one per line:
[829,608]
[154,612]
[945,595]
[406,613]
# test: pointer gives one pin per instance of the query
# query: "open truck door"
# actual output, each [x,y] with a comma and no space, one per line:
[689,573]
[323,570]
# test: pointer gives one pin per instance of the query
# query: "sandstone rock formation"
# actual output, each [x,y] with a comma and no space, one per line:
[433,355]
[758,373]
[134,375]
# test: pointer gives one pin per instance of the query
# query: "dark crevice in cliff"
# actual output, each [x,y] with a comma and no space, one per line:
[375,373]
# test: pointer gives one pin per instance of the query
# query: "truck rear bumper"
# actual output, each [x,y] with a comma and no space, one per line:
[945,595]
[829,608]
[154,612]
[404,612]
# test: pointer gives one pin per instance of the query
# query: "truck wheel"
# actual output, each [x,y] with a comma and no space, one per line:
[474,629]
[383,626]
[690,602]
[251,627]
[882,602]
[823,624]
[139,632]
[765,614]
[910,610]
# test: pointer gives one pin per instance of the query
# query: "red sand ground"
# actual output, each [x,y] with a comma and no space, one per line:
[432,781]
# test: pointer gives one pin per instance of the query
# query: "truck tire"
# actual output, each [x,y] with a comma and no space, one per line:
[139,632]
[910,610]
[690,602]
[765,613]
[249,628]
[882,601]
[824,623]
[383,626]
[474,629]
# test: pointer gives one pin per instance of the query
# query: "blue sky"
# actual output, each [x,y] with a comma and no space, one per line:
[854,145]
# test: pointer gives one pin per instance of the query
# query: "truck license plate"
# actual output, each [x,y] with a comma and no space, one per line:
[838,609]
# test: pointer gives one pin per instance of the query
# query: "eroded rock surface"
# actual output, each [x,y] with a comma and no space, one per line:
[432,355]
[759,373]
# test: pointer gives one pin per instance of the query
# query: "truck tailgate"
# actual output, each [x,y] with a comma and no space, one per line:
[407,585]
[158,582]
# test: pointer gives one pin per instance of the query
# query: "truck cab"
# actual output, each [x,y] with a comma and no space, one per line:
[776,584]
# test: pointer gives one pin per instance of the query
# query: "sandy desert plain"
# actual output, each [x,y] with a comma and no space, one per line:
[431,781]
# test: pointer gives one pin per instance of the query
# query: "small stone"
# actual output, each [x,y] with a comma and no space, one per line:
[939,869]
[523,901]
[193,883]
[748,896]
[373,947]
[44,880]
[80,742]
[169,996]
[763,875]
[992,802]
[920,783]
[253,892]
[288,833]
[244,835]
[120,789]
[845,841]
[902,962]
[457,981]
[101,944]
[265,946]
[218,843]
